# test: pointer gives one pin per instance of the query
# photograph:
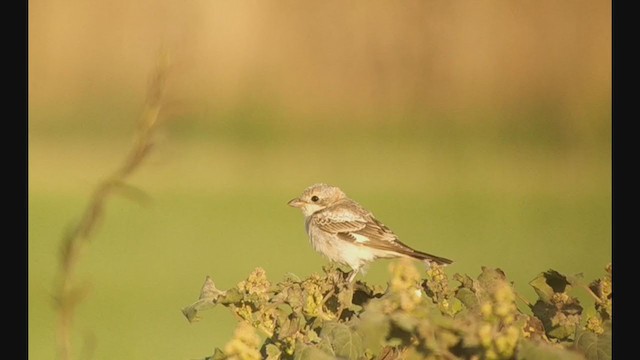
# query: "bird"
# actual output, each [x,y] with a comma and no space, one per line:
[347,233]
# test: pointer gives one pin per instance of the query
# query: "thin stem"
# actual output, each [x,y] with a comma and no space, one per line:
[74,242]
[521,298]
[590,292]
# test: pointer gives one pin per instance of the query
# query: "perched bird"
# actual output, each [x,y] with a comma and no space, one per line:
[346,233]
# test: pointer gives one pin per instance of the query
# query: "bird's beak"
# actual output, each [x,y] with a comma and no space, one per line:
[296,203]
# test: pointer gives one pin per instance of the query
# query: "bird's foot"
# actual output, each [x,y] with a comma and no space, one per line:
[352,276]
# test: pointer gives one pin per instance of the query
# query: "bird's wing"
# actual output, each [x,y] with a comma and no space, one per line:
[363,230]
[337,224]
[360,227]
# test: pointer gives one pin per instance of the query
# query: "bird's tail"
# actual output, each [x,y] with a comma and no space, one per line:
[430,258]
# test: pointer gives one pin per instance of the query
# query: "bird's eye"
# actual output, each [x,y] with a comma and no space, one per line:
[314,198]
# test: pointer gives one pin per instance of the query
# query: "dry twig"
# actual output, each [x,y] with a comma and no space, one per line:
[68,294]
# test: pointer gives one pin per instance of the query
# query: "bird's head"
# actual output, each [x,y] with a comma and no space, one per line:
[317,197]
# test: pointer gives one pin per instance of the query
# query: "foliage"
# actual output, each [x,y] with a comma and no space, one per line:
[417,316]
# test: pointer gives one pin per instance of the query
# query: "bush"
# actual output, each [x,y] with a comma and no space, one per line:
[415,317]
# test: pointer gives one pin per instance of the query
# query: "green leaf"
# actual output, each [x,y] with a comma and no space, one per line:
[531,325]
[465,280]
[390,353]
[530,350]
[217,355]
[273,352]
[455,306]
[326,346]
[374,326]
[345,342]
[209,296]
[468,298]
[294,297]
[345,297]
[232,296]
[489,279]
[404,321]
[548,283]
[311,336]
[544,291]
[576,280]
[191,312]
[488,282]
[562,332]
[595,347]
[306,352]
[209,290]
[292,325]
[549,315]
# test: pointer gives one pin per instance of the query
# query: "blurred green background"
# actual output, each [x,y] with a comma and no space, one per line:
[477,131]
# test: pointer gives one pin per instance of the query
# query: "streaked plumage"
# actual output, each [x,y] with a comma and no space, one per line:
[346,233]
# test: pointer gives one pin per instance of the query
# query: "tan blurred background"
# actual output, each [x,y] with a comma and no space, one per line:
[477,131]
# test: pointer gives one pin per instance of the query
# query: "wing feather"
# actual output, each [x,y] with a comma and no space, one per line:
[377,235]
[352,223]
[368,231]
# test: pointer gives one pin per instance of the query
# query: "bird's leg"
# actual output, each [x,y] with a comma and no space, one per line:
[334,291]
[353,274]
[326,297]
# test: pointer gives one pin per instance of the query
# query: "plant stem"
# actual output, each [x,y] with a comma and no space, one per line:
[68,295]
